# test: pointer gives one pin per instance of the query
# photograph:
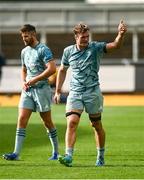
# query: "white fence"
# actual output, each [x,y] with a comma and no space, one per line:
[113,78]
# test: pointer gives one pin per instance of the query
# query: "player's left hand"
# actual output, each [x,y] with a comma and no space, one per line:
[122,28]
[31,82]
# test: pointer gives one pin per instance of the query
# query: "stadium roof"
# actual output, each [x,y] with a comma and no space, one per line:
[114,1]
[51,1]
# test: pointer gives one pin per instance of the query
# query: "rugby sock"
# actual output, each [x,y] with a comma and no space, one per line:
[52,133]
[69,151]
[100,152]
[20,135]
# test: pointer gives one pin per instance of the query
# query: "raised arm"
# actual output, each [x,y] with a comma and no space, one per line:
[116,44]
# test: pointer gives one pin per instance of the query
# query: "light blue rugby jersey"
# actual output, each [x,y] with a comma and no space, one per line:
[34,59]
[84,64]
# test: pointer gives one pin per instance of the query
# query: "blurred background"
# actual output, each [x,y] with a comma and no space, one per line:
[121,71]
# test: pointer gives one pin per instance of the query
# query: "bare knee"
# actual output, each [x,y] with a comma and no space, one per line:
[72,125]
[98,126]
[24,115]
[73,119]
[22,121]
[47,120]
[72,122]
[96,121]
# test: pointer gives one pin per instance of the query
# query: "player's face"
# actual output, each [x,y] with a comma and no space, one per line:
[28,38]
[82,39]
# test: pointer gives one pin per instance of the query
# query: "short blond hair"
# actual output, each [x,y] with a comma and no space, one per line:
[80,28]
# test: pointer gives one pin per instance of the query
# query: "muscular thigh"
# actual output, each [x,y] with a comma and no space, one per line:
[26,101]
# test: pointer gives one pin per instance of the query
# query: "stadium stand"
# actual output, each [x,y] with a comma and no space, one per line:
[55,20]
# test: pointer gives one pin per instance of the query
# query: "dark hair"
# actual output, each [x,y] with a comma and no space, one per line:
[80,28]
[28,28]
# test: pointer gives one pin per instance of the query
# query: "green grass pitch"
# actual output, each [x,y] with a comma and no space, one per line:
[124,155]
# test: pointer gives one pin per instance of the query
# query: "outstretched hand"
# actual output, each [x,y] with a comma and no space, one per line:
[122,28]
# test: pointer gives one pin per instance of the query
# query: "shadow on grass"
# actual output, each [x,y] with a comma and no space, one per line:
[22,163]
[36,135]
[123,165]
[17,164]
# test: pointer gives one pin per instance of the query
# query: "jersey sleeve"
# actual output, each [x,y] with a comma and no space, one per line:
[46,54]
[100,48]
[65,58]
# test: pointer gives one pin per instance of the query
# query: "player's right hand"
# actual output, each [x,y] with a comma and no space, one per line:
[57,98]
